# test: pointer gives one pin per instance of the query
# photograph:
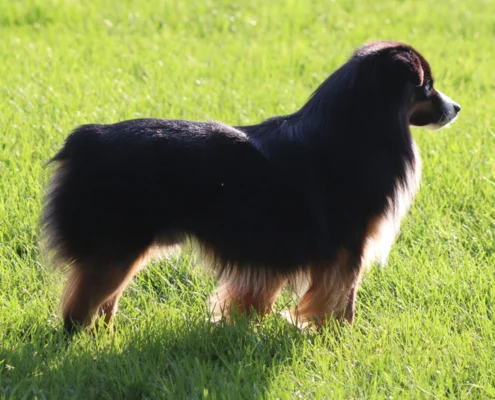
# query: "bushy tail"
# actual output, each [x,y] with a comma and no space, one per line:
[51,235]
[82,140]
[62,155]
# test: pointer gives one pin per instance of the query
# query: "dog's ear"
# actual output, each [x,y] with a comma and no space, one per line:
[408,66]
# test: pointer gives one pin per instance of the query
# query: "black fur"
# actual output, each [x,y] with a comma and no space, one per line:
[287,193]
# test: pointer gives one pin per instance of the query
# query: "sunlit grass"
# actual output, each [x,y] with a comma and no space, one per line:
[425,326]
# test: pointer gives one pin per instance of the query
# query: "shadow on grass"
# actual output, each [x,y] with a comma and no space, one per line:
[185,360]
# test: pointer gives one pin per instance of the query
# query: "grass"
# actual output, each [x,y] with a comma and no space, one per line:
[425,324]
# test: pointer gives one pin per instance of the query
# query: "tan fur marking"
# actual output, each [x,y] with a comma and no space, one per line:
[331,293]
[89,290]
[243,291]
[383,229]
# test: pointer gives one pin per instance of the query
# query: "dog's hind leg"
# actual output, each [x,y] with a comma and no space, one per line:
[109,309]
[332,293]
[350,308]
[244,291]
[91,288]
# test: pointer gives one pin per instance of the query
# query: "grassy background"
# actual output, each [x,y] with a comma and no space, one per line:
[425,325]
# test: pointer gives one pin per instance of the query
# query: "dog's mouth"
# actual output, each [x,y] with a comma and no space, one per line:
[436,112]
[446,121]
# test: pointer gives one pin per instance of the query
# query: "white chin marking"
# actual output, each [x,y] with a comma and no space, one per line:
[434,127]
[431,127]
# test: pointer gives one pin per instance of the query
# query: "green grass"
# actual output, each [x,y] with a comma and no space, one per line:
[425,324]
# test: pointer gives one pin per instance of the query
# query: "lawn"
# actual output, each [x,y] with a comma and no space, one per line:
[425,324]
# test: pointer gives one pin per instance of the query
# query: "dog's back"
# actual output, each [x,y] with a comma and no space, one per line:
[157,178]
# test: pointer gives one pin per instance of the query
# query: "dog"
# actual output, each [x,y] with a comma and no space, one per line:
[318,194]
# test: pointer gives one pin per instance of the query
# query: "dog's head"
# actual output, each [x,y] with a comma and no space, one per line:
[404,69]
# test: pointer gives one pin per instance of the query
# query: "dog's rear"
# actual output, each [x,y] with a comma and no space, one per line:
[81,233]
[105,202]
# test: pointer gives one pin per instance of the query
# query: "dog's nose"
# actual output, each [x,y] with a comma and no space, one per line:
[457,108]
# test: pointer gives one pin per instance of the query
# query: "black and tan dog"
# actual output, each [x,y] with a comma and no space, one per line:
[319,193]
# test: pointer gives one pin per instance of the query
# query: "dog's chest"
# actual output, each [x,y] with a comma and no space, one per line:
[383,230]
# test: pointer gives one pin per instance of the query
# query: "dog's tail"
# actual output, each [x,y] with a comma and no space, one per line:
[62,155]
[53,244]
[80,143]
[81,139]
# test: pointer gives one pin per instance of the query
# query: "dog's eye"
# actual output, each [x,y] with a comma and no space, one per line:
[427,86]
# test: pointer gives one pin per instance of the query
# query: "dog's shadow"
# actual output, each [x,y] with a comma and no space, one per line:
[221,360]
[171,355]
[179,360]
[226,360]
